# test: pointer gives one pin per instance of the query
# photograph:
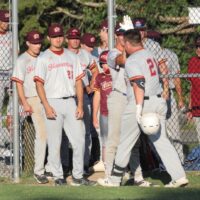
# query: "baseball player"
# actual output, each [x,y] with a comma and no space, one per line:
[103,87]
[144,96]
[88,65]
[58,77]
[194,97]
[116,105]
[103,34]
[23,76]
[5,53]
[172,123]
[154,47]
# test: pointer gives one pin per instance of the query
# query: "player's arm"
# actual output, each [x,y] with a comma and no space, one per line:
[177,83]
[79,94]
[20,90]
[96,104]
[164,71]
[138,89]
[50,112]
[95,71]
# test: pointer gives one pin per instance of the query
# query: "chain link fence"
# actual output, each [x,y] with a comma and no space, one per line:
[184,102]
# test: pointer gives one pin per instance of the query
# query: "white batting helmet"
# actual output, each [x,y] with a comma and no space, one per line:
[150,123]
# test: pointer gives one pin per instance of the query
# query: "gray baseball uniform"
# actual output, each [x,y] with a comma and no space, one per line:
[23,73]
[116,102]
[172,123]
[141,64]
[59,74]
[5,62]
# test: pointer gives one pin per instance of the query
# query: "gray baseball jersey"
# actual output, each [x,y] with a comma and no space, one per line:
[172,64]
[118,78]
[24,73]
[5,51]
[155,48]
[142,64]
[58,73]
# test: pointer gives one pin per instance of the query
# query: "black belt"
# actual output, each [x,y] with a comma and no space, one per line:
[119,91]
[68,97]
[147,97]
[196,108]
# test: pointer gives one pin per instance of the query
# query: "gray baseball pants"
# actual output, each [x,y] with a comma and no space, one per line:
[116,105]
[130,132]
[173,127]
[65,110]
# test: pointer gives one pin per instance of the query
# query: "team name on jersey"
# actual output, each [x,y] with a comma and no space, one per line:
[58,65]
[30,69]
[106,85]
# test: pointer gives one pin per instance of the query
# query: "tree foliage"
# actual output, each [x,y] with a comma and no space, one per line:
[166,16]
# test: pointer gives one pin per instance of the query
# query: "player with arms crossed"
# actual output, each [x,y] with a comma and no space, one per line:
[144,96]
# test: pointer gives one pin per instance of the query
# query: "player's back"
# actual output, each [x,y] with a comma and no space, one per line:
[144,65]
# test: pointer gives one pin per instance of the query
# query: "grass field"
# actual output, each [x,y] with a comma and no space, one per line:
[29,190]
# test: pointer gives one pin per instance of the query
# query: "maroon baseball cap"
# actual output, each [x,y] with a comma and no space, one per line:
[55,30]
[4,15]
[104,24]
[73,33]
[155,35]
[88,39]
[34,37]
[103,57]
[139,23]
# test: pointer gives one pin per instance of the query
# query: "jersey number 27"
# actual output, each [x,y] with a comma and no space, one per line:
[152,66]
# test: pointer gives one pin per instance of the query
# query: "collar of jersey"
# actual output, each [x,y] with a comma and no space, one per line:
[58,52]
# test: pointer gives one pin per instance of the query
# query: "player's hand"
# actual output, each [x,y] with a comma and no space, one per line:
[50,112]
[27,109]
[165,95]
[88,89]
[95,122]
[126,23]
[79,112]
[138,113]
[189,115]
[181,104]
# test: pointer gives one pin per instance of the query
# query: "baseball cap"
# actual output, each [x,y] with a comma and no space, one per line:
[34,37]
[103,57]
[88,39]
[4,15]
[55,30]
[73,33]
[154,35]
[139,23]
[104,24]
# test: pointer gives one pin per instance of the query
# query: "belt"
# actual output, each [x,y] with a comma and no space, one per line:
[68,97]
[195,107]
[119,91]
[148,97]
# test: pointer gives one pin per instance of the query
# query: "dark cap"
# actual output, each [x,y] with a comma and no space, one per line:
[34,37]
[139,23]
[55,30]
[4,15]
[118,30]
[103,57]
[154,35]
[88,39]
[197,41]
[73,33]
[104,24]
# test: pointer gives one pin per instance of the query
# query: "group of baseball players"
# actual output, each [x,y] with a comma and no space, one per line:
[80,87]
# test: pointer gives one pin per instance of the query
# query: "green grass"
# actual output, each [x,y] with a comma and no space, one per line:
[29,190]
